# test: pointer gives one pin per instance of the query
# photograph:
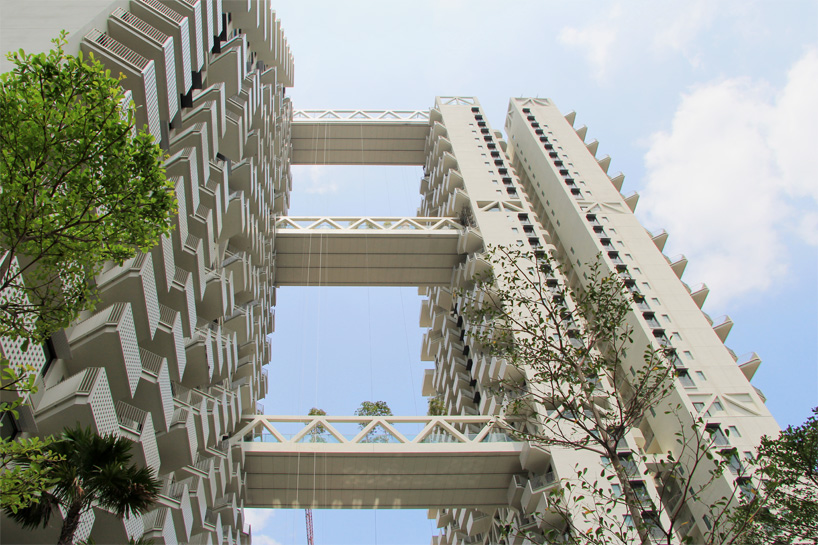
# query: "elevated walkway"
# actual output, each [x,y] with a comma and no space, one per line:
[378,462]
[359,137]
[346,251]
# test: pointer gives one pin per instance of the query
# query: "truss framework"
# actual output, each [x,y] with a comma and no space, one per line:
[390,116]
[432,429]
[337,223]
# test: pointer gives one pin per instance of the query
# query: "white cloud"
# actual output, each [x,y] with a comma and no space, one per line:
[609,38]
[730,180]
[316,182]
[597,41]
[264,540]
[676,26]
[257,519]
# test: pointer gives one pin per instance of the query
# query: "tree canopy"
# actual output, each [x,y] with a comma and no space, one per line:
[92,470]
[80,185]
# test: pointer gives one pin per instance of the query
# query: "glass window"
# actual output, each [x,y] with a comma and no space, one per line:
[732,430]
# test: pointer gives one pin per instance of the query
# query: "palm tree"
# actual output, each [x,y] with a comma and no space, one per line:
[92,470]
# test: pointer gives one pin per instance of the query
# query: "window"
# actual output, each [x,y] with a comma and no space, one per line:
[732,430]
[746,487]
[689,356]
[700,375]
[698,406]
[718,437]
[684,378]
[650,318]
[616,491]
[733,462]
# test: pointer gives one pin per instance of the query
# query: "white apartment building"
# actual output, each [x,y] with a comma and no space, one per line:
[173,356]
[543,189]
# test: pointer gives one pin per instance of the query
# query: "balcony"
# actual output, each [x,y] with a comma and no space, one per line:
[228,65]
[179,444]
[133,32]
[83,398]
[200,42]
[678,265]
[109,335]
[169,342]
[134,282]
[536,489]
[722,328]
[137,425]
[175,496]
[194,484]
[159,526]
[140,76]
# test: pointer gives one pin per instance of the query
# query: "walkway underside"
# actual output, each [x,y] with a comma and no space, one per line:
[380,477]
[367,251]
[444,462]
[359,137]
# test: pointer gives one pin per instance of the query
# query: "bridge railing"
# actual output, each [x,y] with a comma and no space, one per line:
[367,223]
[377,429]
[361,115]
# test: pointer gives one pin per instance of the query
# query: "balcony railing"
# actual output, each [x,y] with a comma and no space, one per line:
[130,417]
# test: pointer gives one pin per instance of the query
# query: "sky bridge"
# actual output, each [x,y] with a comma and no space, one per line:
[369,251]
[342,462]
[359,137]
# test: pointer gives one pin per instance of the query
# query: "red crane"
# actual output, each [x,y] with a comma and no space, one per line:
[308,512]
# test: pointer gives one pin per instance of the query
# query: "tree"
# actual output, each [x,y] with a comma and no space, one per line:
[318,434]
[93,470]
[574,381]
[374,408]
[25,462]
[80,186]
[783,508]
[436,407]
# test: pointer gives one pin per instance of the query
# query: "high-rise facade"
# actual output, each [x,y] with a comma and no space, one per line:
[542,189]
[173,356]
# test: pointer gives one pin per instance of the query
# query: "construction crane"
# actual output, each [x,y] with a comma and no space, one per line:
[308,512]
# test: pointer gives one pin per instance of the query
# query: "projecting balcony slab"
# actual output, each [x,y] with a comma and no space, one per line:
[335,251]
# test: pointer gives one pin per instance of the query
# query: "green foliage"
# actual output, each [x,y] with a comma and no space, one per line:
[784,506]
[25,463]
[79,187]
[25,471]
[374,408]
[92,470]
[319,433]
[577,384]
[436,407]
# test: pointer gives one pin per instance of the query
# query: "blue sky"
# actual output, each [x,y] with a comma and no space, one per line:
[707,107]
